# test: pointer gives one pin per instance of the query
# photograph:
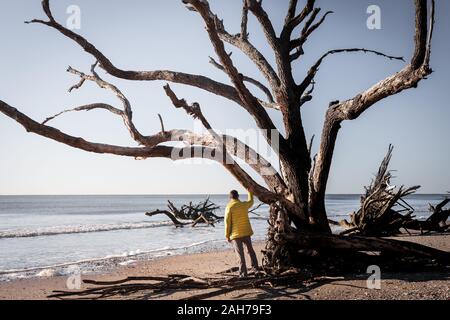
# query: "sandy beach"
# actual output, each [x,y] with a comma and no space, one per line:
[409,286]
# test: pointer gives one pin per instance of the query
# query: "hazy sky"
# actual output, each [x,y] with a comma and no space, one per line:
[162,34]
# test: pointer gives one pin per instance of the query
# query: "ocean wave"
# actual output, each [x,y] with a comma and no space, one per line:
[70,229]
[58,230]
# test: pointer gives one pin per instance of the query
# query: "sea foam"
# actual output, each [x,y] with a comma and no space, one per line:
[50,231]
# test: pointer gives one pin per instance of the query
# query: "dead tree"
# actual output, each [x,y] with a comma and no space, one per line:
[377,215]
[384,211]
[296,193]
[202,212]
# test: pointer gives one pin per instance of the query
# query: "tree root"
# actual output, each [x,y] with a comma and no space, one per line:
[325,253]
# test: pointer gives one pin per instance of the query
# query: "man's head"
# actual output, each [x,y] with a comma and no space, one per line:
[234,195]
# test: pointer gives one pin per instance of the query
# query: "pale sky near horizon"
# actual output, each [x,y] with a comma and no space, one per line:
[161,34]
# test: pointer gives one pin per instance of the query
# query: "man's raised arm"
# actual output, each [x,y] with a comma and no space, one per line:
[249,201]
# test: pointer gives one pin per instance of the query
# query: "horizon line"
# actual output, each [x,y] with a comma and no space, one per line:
[177,194]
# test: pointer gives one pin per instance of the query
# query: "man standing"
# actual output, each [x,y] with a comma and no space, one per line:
[239,231]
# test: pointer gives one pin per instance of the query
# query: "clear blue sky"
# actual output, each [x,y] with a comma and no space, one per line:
[161,34]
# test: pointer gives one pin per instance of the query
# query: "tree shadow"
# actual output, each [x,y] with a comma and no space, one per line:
[303,290]
[295,286]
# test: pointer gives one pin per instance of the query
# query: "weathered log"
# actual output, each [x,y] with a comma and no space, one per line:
[169,214]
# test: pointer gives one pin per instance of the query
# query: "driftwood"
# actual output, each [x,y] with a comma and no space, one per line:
[439,216]
[384,210]
[202,212]
[437,221]
[193,214]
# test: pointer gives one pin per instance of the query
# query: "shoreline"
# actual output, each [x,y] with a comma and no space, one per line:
[105,265]
[415,285]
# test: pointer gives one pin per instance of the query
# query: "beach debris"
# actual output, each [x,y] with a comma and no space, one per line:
[190,214]
[384,210]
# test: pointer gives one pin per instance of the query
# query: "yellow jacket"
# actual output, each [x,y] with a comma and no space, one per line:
[237,224]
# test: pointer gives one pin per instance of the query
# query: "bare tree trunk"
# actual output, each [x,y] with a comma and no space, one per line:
[276,255]
[321,171]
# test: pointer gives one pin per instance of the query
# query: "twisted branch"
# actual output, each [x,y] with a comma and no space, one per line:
[313,70]
[245,78]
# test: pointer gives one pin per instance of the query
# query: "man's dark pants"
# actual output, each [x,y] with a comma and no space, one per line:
[239,249]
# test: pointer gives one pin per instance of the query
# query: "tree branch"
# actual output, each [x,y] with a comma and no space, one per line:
[421,34]
[291,11]
[430,34]
[286,87]
[254,55]
[264,20]
[251,104]
[245,78]
[159,151]
[308,30]
[32,126]
[162,123]
[313,70]
[126,113]
[87,107]
[237,148]
[244,21]
[292,22]
[193,80]
[232,145]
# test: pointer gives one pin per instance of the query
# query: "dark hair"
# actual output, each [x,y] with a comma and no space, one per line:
[234,194]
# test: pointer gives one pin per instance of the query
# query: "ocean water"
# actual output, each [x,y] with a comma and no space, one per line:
[55,235]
